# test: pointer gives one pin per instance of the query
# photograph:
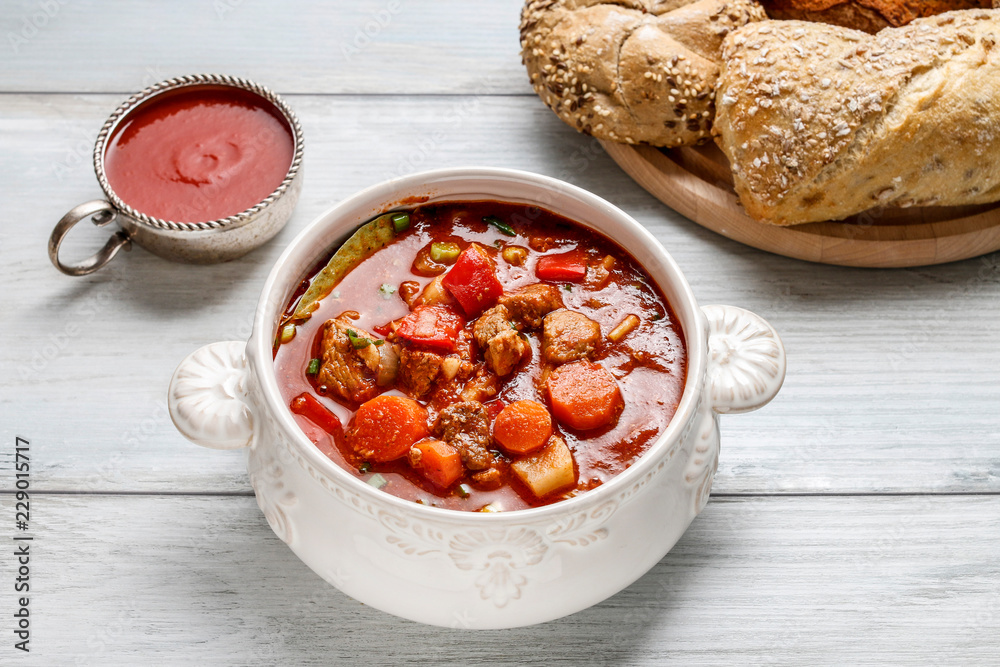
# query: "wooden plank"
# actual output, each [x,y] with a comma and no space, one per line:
[171,580]
[369,46]
[893,376]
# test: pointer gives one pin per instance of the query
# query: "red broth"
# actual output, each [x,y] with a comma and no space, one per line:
[649,364]
[199,153]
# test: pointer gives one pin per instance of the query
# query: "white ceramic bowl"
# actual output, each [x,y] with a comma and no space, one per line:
[465,569]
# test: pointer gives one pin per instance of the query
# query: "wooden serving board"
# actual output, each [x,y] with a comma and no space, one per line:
[696,182]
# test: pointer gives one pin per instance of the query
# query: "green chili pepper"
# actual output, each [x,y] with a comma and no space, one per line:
[445,253]
[287,333]
[499,224]
[401,222]
[313,367]
[359,342]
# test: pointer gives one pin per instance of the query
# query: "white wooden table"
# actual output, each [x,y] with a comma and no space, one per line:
[854,520]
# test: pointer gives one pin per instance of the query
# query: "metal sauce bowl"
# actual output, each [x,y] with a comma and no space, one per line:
[191,242]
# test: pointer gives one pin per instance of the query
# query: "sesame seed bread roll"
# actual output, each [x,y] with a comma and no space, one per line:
[821,122]
[631,70]
[868,15]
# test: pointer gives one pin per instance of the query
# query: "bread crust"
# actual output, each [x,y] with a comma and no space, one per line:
[821,122]
[867,15]
[633,71]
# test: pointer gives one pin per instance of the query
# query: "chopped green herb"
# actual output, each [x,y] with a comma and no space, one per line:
[287,333]
[359,342]
[464,491]
[500,224]
[386,290]
[313,367]
[378,481]
[657,317]
[364,467]
[445,253]
[568,288]
[401,222]
[377,342]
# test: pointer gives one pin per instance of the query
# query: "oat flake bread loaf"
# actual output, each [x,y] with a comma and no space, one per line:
[631,70]
[821,122]
[868,15]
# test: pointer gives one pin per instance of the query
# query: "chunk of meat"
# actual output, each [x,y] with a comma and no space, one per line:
[483,386]
[506,351]
[346,371]
[488,479]
[418,370]
[503,348]
[466,427]
[530,304]
[569,336]
[490,324]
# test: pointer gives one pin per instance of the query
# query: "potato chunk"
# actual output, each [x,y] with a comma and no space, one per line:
[549,470]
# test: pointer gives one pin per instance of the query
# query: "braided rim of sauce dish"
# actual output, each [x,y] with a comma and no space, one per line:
[182,82]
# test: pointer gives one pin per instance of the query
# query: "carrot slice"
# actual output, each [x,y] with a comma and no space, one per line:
[522,427]
[438,461]
[584,395]
[386,426]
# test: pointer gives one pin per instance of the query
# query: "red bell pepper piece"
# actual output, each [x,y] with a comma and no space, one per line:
[305,404]
[473,281]
[431,326]
[493,408]
[570,266]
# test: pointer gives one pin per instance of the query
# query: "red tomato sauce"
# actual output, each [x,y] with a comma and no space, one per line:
[199,153]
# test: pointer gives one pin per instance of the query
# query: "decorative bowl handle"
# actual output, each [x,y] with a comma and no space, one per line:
[746,360]
[208,398]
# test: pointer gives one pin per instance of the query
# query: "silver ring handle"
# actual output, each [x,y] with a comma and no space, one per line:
[102,213]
